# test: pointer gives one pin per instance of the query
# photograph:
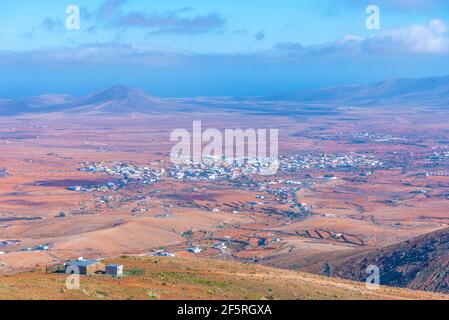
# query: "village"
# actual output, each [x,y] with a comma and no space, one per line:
[273,203]
[274,196]
[236,170]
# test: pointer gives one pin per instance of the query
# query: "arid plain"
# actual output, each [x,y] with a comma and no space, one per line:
[349,181]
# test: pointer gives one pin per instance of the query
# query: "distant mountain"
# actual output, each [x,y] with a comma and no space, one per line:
[421,263]
[115,100]
[11,107]
[47,100]
[432,91]
[32,105]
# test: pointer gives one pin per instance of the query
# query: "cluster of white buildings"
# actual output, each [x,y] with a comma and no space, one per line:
[124,174]
[327,161]
[214,170]
[439,156]
[41,247]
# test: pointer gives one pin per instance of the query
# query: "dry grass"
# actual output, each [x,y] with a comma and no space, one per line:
[176,278]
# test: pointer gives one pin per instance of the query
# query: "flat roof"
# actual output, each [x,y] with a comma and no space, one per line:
[82,263]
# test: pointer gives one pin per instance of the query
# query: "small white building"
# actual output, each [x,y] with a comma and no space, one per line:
[163,253]
[194,250]
[114,270]
[219,246]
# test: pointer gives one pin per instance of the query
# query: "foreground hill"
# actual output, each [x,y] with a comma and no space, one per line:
[180,278]
[421,263]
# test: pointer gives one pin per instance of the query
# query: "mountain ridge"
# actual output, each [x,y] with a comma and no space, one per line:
[433,90]
[119,99]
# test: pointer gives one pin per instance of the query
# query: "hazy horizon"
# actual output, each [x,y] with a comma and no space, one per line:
[303,90]
[171,49]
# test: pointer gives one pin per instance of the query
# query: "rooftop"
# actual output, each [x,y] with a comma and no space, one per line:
[82,263]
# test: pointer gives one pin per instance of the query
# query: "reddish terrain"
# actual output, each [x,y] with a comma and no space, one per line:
[345,209]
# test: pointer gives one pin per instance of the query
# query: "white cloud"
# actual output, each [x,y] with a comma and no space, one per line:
[432,38]
[114,53]
[438,26]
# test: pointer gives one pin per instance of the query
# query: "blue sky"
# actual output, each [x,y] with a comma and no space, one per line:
[198,47]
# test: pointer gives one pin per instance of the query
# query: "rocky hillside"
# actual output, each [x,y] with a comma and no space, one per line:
[421,263]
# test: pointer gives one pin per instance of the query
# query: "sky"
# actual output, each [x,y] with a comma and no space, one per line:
[177,48]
